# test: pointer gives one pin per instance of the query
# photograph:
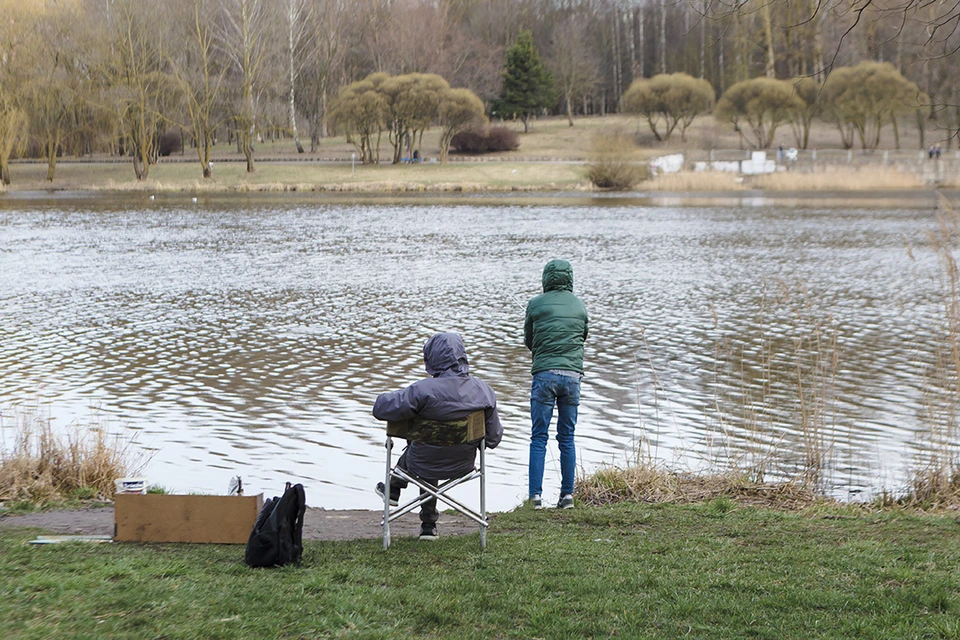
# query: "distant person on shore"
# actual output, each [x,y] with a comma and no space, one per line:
[554,329]
[451,393]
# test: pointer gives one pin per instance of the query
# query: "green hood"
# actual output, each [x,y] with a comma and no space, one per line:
[557,276]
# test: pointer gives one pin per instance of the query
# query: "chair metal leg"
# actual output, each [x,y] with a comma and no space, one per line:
[438,492]
[483,496]
[386,496]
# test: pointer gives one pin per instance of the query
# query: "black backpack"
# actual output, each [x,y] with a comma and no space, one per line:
[277,537]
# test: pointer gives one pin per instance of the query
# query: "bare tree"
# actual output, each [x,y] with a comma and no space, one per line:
[125,49]
[17,37]
[296,29]
[200,76]
[573,64]
[242,36]
[332,34]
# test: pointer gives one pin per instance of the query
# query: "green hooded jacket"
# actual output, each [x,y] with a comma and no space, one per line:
[555,325]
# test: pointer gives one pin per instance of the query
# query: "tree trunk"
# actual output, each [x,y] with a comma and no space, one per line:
[771,69]
[818,61]
[4,171]
[663,36]
[703,42]
[722,86]
[628,15]
[617,74]
[642,58]
[140,167]
[569,110]
[248,151]
[293,15]
[526,123]
[51,166]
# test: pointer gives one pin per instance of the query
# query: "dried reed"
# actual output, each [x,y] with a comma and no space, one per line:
[43,465]
[774,395]
[775,386]
[699,181]
[935,480]
[837,178]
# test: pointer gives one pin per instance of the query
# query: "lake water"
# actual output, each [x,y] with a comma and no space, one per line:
[250,336]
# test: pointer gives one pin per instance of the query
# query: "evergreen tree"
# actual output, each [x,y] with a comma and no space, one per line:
[527,84]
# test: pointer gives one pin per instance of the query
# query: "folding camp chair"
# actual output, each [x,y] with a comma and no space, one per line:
[466,430]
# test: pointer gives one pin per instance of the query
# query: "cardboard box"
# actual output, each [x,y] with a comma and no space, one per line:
[172,518]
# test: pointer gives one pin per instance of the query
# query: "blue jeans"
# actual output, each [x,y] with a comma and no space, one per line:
[547,390]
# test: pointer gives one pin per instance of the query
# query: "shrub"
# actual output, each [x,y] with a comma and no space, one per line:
[489,140]
[502,139]
[614,166]
[169,143]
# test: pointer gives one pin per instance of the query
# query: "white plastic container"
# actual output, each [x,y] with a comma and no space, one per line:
[131,485]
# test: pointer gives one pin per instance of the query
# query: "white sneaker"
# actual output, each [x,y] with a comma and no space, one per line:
[537,502]
[566,502]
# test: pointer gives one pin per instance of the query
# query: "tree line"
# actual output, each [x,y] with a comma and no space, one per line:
[112,76]
[857,101]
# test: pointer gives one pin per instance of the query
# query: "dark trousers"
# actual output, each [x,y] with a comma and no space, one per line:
[428,510]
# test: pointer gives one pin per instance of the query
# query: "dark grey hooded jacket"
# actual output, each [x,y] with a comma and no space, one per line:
[450,394]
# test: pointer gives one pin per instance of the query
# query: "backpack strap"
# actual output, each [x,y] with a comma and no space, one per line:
[297,532]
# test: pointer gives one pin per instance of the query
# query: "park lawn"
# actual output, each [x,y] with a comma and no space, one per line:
[713,570]
[304,176]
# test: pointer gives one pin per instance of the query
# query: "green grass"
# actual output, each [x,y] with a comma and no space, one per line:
[80,499]
[713,570]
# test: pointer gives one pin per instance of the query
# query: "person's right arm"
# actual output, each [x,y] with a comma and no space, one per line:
[528,329]
[494,428]
[398,405]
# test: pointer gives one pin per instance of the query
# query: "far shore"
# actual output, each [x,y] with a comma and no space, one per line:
[503,178]
[551,159]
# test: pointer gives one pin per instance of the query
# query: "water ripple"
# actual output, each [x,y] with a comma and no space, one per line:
[253,339]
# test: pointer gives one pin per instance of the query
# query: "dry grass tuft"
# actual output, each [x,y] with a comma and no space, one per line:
[41,465]
[936,486]
[695,181]
[839,179]
[653,484]
[613,162]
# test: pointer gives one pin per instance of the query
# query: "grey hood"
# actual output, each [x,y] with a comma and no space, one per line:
[445,352]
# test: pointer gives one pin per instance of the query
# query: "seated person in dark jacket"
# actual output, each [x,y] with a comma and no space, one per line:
[450,394]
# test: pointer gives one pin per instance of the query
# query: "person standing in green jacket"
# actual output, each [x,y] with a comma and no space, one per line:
[554,329]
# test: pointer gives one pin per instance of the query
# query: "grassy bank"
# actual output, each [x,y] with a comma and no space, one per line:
[289,176]
[706,571]
[499,176]
[552,157]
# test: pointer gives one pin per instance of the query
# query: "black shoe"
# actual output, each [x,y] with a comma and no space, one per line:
[429,532]
[394,494]
[566,502]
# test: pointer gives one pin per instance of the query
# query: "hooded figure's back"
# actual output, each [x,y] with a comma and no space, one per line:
[555,324]
[450,394]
